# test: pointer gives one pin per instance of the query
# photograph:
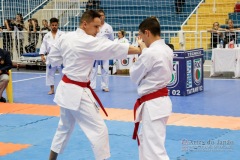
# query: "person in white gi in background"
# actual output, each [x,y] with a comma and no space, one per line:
[121,37]
[106,31]
[130,58]
[49,39]
[152,72]
[77,51]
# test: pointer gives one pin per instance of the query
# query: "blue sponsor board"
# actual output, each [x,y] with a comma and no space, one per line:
[187,77]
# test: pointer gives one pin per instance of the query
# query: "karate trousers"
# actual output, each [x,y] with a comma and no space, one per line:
[90,121]
[50,74]
[152,137]
[104,74]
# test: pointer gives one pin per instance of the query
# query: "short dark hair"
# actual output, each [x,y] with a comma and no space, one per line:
[89,15]
[152,24]
[101,11]
[123,32]
[53,20]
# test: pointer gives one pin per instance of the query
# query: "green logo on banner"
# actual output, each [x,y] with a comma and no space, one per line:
[174,81]
[198,73]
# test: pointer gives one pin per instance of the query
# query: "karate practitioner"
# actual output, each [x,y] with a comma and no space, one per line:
[77,51]
[106,31]
[152,72]
[49,39]
[130,58]
[121,37]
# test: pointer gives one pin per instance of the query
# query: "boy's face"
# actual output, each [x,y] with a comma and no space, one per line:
[144,36]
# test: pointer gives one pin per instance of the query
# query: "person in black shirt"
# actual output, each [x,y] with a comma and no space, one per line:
[7,36]
[93,4]
[5,66]
[216,34]
[33,36]
[19,37]
[45,28]
[179,5]
[231,34]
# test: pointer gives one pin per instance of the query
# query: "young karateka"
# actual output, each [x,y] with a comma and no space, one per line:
[50,38]
[77,51]
[152,72]
[106,31]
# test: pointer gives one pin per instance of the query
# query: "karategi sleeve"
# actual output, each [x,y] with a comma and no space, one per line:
[54,56]
[104,49]
[140,68]
[111,36]
[43,48]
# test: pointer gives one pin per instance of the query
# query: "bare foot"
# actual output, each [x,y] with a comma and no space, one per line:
[105,90]
[50,92]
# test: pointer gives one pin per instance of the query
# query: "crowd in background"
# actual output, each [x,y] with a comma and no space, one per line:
[11,29]
[12,35]
[223,35]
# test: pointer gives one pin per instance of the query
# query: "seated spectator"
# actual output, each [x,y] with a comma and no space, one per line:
[45,28]
[5,66]
[216,34]
[33,36]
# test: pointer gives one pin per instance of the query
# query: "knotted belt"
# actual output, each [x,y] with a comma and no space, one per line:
[85,85]
[159,93]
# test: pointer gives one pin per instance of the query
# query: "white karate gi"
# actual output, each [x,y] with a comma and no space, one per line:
[48,41]
[78,51]
[106,31]
[153,71]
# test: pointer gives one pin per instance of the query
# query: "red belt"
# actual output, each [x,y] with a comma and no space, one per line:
[160,93]
[85,84]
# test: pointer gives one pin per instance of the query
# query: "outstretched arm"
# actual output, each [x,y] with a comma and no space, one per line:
[137,50]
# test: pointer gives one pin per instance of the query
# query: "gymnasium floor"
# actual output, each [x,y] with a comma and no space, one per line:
[203,126]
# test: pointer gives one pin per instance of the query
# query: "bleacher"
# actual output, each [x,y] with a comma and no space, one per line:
[127,15]
[20,7]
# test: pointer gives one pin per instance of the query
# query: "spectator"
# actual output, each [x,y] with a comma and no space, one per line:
[216,34]
[33,36]
[7,36]
[93,4]
[19,37]
[5,66]
[179,5]
[45,28]
[231,34]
